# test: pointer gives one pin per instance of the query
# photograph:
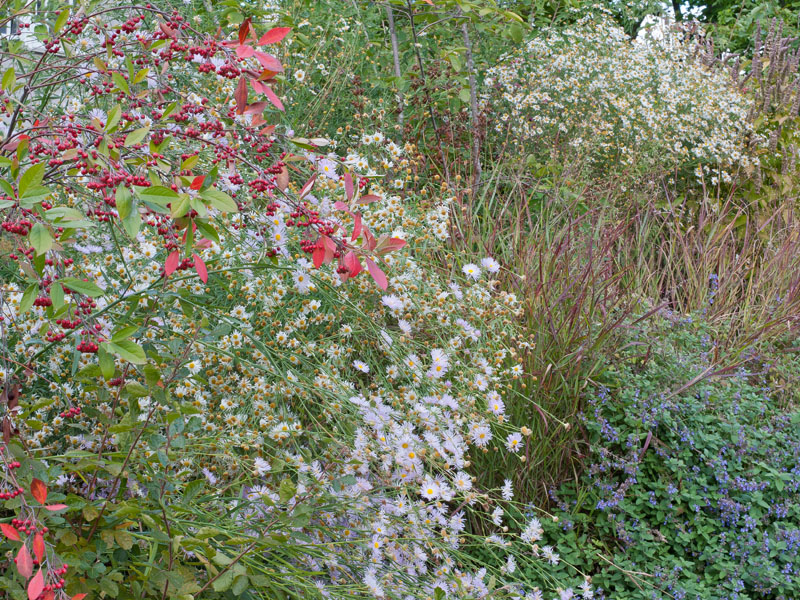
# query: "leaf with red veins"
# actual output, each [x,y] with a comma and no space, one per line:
[39,490]
[339,205]
[273,36]
[352,263]
[369,240]
[273,97]
[378,275]
[258,87]
[36,586]
[269,62]
[240,95]
[38,546]
[367,199]
[330,248]
[172,263]
[318,256]
[24,562]
[10,532]
[202,271]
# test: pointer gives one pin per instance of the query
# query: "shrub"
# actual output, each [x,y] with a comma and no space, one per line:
[692,487]
[588,93]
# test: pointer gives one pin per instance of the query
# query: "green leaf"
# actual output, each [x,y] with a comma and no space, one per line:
[157,194]
[57,295]
[9,79]
[121,82]
[61,20]
[83,287]
[240,585]
[463,95]
[33,194]
[28,297]
[136,136]
[136,390]
[31,178]
[223,582]
[515,31]
[113,118]
[106,361]
[124,202]
[219,200]
[207,230]
[40,238]
[126,350]
[181,207]
[287,490]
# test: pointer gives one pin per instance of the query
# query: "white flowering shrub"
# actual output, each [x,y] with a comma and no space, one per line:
[228,361]
[590,91]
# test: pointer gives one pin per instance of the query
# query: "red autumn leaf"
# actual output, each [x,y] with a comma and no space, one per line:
[269,62]
[267,130]
[272,97]
[24,562]
[274,35]
[318,256]
[10,532]
[255,108]
[348,185]
[202,272]
[38,546]
[357,227]
[352,263]
[339,205]
[257,120]
[172,263]
[368,199]
[245,51]
[50,595]
[240,95]
[55,507]
[36,586]
[378,275]
[260,88]
[79,596]
[197,182]
[244,29]
[39,490]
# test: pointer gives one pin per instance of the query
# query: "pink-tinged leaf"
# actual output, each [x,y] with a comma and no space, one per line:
[36,586]
[259,87]
[357,227]
[369,240]
[352,264]
[255,108]
[197,182]
[386,245]
[367,199]
[204,244]
[55,507]
[272,97]
[245,51]
[378,275]
[38,546]
[330,248]
[79,596]
[24,562]
[274,36]
[308,185]
[49,595]
[269,62]
[240,95]
[172,263]
[339,205]
[10,532]
[244,29]
[202,271]
[348,185]
[39,490]
[268,130]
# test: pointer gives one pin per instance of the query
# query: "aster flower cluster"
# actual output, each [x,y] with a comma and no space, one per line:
[589,89]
